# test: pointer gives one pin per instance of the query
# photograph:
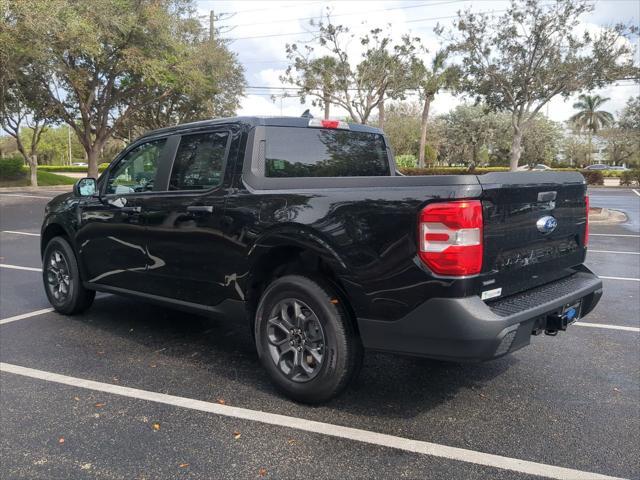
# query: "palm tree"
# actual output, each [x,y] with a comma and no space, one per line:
[432,80]
[589,118]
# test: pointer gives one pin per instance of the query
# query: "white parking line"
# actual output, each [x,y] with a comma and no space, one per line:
[613,235]
[613,251]
[626,279]
[23,196]
[25,315]
[635,191]
[610,327]
[21,233]
[356,434]
[17,267]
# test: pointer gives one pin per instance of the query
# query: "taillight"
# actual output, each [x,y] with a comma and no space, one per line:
[450,237]
[586,221]
[319,123]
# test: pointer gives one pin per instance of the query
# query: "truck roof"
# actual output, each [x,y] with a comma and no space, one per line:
[252,121]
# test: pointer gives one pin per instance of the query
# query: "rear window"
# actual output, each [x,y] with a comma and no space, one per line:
[316,152]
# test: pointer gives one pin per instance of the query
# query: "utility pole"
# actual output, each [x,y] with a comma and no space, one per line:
[212,36]
[69,142]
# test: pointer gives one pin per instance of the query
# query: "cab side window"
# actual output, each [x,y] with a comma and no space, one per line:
[199,161]
[136,172]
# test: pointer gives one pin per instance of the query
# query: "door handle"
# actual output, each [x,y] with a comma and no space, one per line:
[200,208]
[130,209]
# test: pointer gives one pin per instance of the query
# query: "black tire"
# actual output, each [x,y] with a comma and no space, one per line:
[61,277]
[324,319]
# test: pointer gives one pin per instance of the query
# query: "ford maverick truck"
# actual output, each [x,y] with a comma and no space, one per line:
[303,228]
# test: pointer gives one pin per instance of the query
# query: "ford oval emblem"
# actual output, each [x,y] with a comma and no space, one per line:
[546,224]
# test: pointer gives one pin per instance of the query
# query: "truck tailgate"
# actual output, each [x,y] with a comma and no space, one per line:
[534,228]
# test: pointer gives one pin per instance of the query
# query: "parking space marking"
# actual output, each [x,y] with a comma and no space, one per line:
[606,325]
[17,267]
[613,251]
[24,196]
[355,434]
[613,235]
[635,191]
[626,279]
[21,233]
[25,315]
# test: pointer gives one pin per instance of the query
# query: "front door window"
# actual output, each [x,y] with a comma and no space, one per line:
[136,172]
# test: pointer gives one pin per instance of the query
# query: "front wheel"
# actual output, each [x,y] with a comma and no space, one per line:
[305,339]
[61,276]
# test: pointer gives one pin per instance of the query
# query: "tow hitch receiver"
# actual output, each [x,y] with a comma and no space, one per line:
[569,314]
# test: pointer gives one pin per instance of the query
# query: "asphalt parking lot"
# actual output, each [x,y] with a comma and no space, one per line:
[173,395]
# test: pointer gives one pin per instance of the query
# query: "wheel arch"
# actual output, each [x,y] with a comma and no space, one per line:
[279,255]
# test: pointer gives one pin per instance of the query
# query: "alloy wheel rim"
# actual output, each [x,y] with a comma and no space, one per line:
[58,276]
[296,340]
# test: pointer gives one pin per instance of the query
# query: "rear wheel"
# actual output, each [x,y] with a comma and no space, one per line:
[305,339]
[61,276]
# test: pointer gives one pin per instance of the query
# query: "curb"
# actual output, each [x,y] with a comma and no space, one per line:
[607,216]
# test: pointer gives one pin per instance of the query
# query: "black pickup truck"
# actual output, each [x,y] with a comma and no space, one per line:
[304,228]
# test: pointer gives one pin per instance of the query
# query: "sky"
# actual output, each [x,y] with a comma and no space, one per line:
[258,32]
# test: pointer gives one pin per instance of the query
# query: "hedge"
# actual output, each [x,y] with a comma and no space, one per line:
[630,178]
[451,170]
[70,168]
[11,168]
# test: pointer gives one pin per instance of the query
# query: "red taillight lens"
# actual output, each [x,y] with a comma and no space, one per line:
[450,237]
[586,221]
[330,123]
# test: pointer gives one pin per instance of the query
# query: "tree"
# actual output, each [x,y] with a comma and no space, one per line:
[403,128]
[102,64]
[517,62]
[431,80]
[574,150]
[22,107]
[385,71]
[467,129]
[623,139]
[589,119]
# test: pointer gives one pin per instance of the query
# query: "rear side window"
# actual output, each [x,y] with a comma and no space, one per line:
[199,161]
[316,152]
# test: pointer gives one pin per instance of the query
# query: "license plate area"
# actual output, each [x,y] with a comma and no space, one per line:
[559,321]
[571,312]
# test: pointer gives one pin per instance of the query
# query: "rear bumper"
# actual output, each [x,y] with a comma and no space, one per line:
[468,329]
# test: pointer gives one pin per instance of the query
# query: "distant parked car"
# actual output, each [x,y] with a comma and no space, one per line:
[619,169]
[80,164]
[536,168]
[598,166]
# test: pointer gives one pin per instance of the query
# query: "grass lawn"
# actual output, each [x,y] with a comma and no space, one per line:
[45,179]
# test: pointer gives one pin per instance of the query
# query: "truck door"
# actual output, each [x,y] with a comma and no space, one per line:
[185,225]
[111,231]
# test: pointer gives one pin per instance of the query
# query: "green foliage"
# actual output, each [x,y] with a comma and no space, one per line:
[630,178]
[518,61]
[385,70]
[123,64]
[69,168]
[11,167]
[406,161]
[451,171]
[593,177]
[589,118]
[45,179]
[402,128]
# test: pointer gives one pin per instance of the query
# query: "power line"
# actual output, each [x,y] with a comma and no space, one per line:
[249,10]
[315,31]
[351,13]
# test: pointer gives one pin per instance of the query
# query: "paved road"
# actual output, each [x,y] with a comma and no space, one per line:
[571,401]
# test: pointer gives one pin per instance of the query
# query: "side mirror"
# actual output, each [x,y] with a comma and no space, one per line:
[85,187]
